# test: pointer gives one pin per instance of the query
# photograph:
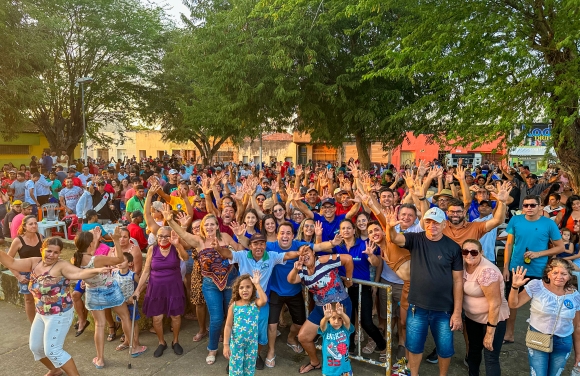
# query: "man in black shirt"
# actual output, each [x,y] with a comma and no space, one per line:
[102,202]
[436,295]
[172,184]
[16,209]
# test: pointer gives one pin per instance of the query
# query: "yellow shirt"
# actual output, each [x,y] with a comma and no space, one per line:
[177,203]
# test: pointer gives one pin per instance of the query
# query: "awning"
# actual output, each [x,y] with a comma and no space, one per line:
[538,151]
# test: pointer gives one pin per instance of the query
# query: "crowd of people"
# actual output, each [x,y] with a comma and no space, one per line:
[235,244]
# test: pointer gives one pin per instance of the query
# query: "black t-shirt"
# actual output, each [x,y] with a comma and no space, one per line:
[147,174]
[168,188]
[515,193]
[105,212]
[432,264]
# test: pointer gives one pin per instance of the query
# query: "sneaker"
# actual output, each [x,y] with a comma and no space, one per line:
[433,358]
[401,364]
[401,372]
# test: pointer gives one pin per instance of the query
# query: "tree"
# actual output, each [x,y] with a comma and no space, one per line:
[485,68]
[116,42]
[23,50]
[316,47]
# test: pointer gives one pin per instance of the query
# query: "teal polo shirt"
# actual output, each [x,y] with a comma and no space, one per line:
[247,264]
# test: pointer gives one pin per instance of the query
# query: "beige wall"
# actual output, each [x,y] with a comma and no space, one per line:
[280,150]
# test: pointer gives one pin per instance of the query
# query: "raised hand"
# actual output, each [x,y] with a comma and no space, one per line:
[238,229]
[318,228]
[255,278]
[409,178]
[167,213]
[370,249]
[174,238]
[519,277]
[391,217]
[327,308]
[337,240]
[353,168]
[339,309]
[298,265]
[503,191]
[449,177]
[116,234]
[460,173]
[183,219]
[422,168]
[97,232]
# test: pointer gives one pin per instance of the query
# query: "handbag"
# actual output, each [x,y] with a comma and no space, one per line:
[540,341]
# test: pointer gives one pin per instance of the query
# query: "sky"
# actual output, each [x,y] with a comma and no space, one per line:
[173,7]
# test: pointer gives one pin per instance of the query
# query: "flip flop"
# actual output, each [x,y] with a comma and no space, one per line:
[314,367]
[270,363]
[79,332]
[198,337]
[296,348]
[122,347]
[141,351]
[96,365]
[507,342]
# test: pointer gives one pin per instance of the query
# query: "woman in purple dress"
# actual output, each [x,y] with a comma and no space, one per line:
[165,294]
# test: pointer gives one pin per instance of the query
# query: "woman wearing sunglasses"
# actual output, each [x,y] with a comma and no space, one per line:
[486,309]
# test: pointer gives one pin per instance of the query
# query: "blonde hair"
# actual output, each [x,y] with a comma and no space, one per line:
[202,232]
[22,228]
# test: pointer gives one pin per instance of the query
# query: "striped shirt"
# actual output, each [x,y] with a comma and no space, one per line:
[325,283]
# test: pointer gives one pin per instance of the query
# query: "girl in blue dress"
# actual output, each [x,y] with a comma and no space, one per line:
[241,329]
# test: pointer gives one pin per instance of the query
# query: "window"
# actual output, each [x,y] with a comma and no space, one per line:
[302,154]
[245,159]
[103,154]
[15,149]
[142,154]
[224,156]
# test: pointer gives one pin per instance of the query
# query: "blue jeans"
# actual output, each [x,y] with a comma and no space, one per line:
[419,320]
[217,304]
[550,364]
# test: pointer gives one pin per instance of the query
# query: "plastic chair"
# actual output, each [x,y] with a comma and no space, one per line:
[50,211]
[72,225]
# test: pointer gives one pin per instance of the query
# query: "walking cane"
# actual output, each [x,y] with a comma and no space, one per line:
[132,331]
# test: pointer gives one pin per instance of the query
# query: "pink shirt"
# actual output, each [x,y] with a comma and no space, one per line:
[130,193]
[475,304]
[15,225]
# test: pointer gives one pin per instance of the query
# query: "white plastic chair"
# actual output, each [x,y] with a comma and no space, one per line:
[49,211]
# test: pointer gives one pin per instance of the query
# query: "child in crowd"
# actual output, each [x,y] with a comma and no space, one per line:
[570,251]
[335,340]
[241,329]
[128,280]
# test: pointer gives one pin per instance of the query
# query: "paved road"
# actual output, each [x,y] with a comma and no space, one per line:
[16,358]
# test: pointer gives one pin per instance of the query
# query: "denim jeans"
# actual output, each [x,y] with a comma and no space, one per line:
[550,364]
[419,320]
[476,333]
[366,316]
[217,305]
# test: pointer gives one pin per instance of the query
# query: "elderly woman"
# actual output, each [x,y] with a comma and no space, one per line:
[165,294]
[27,244]
[486,308]
[321,276]
[218,275]
[554,310]
[49,282]
[102,291]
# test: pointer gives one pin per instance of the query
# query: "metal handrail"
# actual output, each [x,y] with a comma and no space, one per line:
[387,365]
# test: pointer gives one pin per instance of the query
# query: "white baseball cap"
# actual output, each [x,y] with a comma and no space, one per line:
[435,214]
[173,171]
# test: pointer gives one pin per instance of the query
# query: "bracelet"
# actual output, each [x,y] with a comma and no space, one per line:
[491,325]
[515,288]
[422,199]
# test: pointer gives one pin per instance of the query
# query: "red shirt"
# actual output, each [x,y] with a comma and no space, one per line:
[136,233]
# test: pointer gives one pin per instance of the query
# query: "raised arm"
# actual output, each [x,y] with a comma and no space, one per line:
[460,175]
[500,211]
[390,222]
[192,240]
[262,298]
[151,224]
[102,261]
[294,197]
[293,276]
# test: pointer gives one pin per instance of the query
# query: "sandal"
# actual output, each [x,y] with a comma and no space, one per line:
[141,351]
[210,359]
[370,347]
[122,339]
[271,363]
[297,348]
[112,336]
[313,367]
[122,347]
[79,332]
[96,365]
[199,336]
[383,357]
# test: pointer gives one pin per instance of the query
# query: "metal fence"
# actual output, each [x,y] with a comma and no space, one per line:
[387,365]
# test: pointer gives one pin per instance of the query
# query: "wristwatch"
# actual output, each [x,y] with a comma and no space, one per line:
[348,279]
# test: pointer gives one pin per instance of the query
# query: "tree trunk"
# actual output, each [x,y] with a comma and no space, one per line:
[362,147]
[566,140]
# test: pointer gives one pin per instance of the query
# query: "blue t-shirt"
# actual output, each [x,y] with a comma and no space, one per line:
[90,226]
[247,264]
[279,282]
[329,229]
[335,342]
[473,211]
[359,259]
[533,235]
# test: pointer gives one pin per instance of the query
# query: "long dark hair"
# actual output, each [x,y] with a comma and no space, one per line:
[254,212]
[568,211]
[263,223]
[82,241]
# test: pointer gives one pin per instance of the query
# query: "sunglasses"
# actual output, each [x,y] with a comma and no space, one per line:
[530,205]
[473,252]
[277,210]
